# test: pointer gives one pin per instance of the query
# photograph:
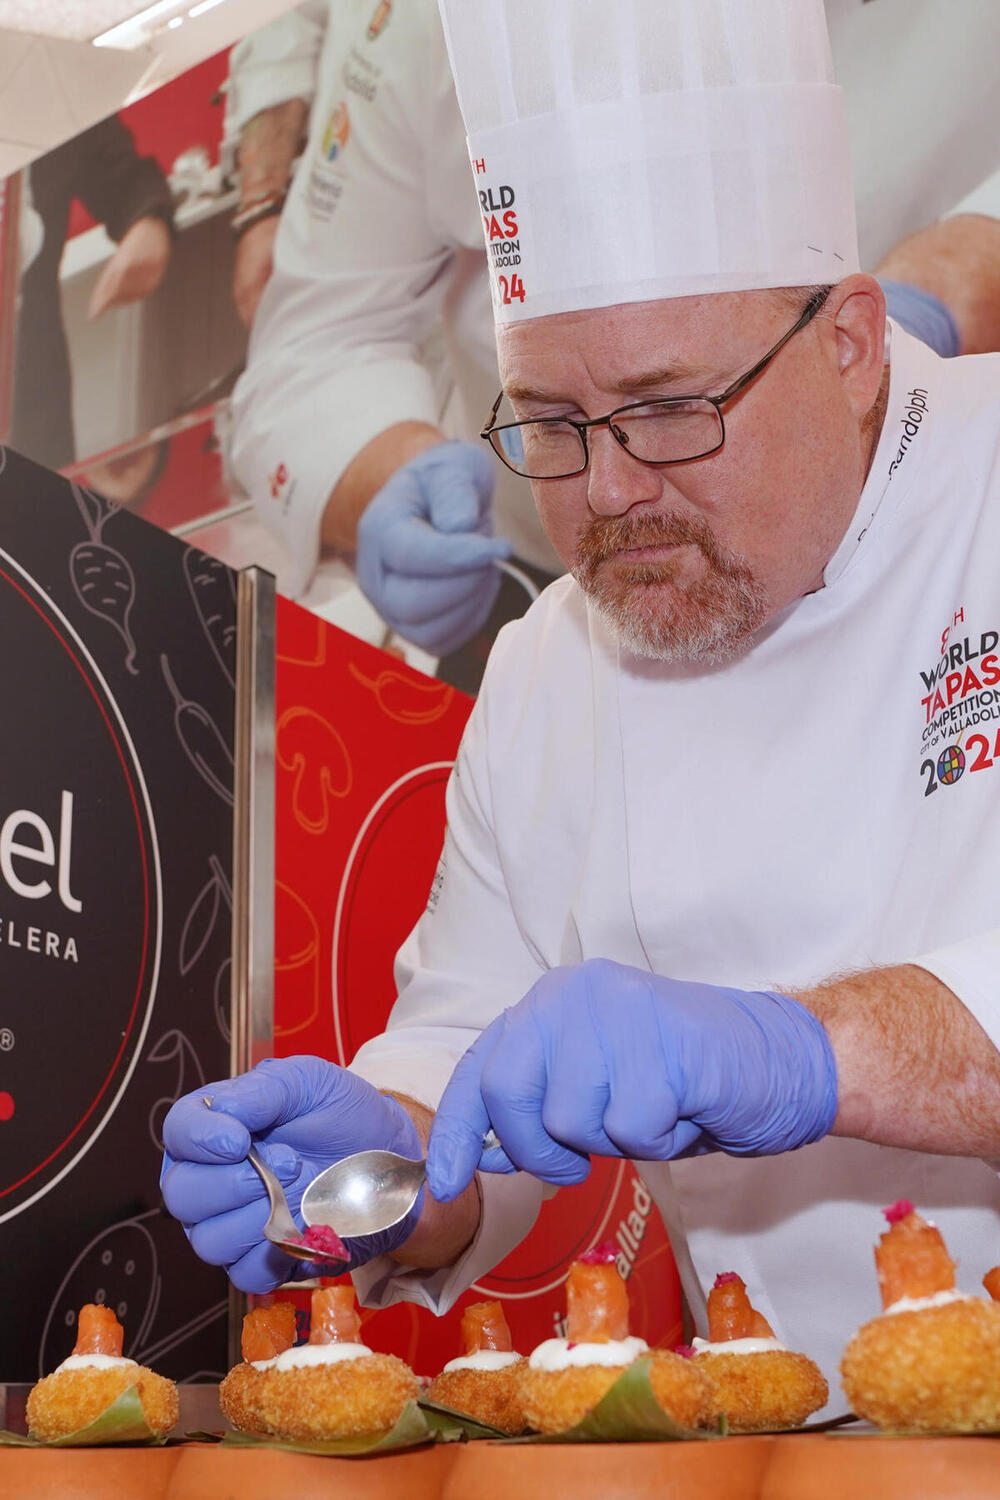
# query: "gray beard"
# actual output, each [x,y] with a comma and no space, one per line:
[708,622]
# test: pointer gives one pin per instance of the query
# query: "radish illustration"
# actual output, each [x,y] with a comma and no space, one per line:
[102,578]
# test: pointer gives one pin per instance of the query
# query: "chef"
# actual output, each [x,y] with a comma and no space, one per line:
[718,891]
[339,434]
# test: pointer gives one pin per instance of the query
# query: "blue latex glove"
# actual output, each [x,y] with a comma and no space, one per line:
[612,1061]
[304,1114]
[425,551]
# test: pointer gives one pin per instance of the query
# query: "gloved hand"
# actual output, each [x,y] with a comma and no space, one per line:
[304,1114]
[610,1060]
[425,554]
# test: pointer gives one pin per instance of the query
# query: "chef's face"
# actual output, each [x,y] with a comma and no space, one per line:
[689,560]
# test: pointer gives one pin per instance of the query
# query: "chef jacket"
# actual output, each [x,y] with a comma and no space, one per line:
[379,298]
[829,802]
[381,237]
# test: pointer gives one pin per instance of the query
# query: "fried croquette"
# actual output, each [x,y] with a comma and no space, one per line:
[565,1379]
[67,1400]
[758,1389]
[72,1398]
[760,1392]
[484,1383]
[932,1370]
[347,1399]
[555,1400]
[490,1396]
[931,1361]
[267,1332]
[306,1394]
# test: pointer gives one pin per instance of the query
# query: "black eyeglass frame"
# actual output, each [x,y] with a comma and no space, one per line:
[492,431]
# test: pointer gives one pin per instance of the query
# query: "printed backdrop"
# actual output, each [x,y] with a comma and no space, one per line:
[116,830]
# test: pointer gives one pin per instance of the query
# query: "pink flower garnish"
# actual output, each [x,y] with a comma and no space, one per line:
[724,1277]
[686,1351]
[900,1210]
[604,1254]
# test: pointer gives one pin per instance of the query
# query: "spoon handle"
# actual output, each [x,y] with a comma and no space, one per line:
[280,1226]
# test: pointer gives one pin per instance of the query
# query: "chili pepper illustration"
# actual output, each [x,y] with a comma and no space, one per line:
[316,756]
[200,740]
[213,591]
[405,699]
[199,924]
[102,578]
[222,996]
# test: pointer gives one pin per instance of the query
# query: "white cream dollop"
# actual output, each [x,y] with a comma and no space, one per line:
[483,1359]
[302,1355]
[737,1346]
[917,1304]
[93,1362]
[560,1354]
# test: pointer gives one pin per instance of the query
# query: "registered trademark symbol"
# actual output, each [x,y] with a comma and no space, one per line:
[6,1039]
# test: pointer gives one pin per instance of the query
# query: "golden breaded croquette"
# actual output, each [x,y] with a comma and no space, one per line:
[70,1399]
[237,1398]
[485,1385]
[322,1402]
[306,1395]
[682,1389]
[555,1400]
[490,1396]
[936,1369]
[760,1392]
[267,1332]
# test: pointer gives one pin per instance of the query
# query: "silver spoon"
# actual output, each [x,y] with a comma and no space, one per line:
[281,1229]
[368,1192]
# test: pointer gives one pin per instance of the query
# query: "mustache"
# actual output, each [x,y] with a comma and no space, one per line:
[605,536]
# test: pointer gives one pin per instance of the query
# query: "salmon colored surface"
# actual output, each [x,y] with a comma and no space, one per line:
[268,1331]
[334,1318]
[991,1281]
[596,1304]
[814,1467]
[911,1260]
[730,1313]
[485,1327]
[98,1331]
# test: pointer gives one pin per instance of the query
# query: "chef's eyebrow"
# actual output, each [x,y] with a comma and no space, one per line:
[694,377]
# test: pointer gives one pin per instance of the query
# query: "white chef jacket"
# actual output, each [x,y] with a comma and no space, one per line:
[380,248]
[829,802]
[381,236]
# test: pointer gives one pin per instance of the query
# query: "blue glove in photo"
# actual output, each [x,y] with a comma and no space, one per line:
[303,1114]
[601,1059]
[426,554]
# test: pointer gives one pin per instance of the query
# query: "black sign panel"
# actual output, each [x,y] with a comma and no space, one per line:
[116,822]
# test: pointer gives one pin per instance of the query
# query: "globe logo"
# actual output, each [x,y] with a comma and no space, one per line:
[951,764]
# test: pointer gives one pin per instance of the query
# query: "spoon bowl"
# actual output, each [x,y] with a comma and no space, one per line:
[364,1193]
[368,1192]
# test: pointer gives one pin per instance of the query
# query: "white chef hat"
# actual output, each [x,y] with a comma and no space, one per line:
[627,150]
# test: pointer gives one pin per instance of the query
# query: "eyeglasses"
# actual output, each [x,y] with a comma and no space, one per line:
[674,430]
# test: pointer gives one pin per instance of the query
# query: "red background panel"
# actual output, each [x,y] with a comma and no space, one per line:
[364,746]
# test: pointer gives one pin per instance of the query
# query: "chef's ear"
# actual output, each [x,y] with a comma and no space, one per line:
[854,313]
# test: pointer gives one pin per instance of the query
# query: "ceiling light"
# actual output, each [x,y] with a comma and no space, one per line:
[140,28]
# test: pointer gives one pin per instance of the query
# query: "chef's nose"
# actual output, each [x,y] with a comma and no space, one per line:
[616,481]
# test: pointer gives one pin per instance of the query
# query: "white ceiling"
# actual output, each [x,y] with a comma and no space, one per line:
[54,83]
[79,20]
